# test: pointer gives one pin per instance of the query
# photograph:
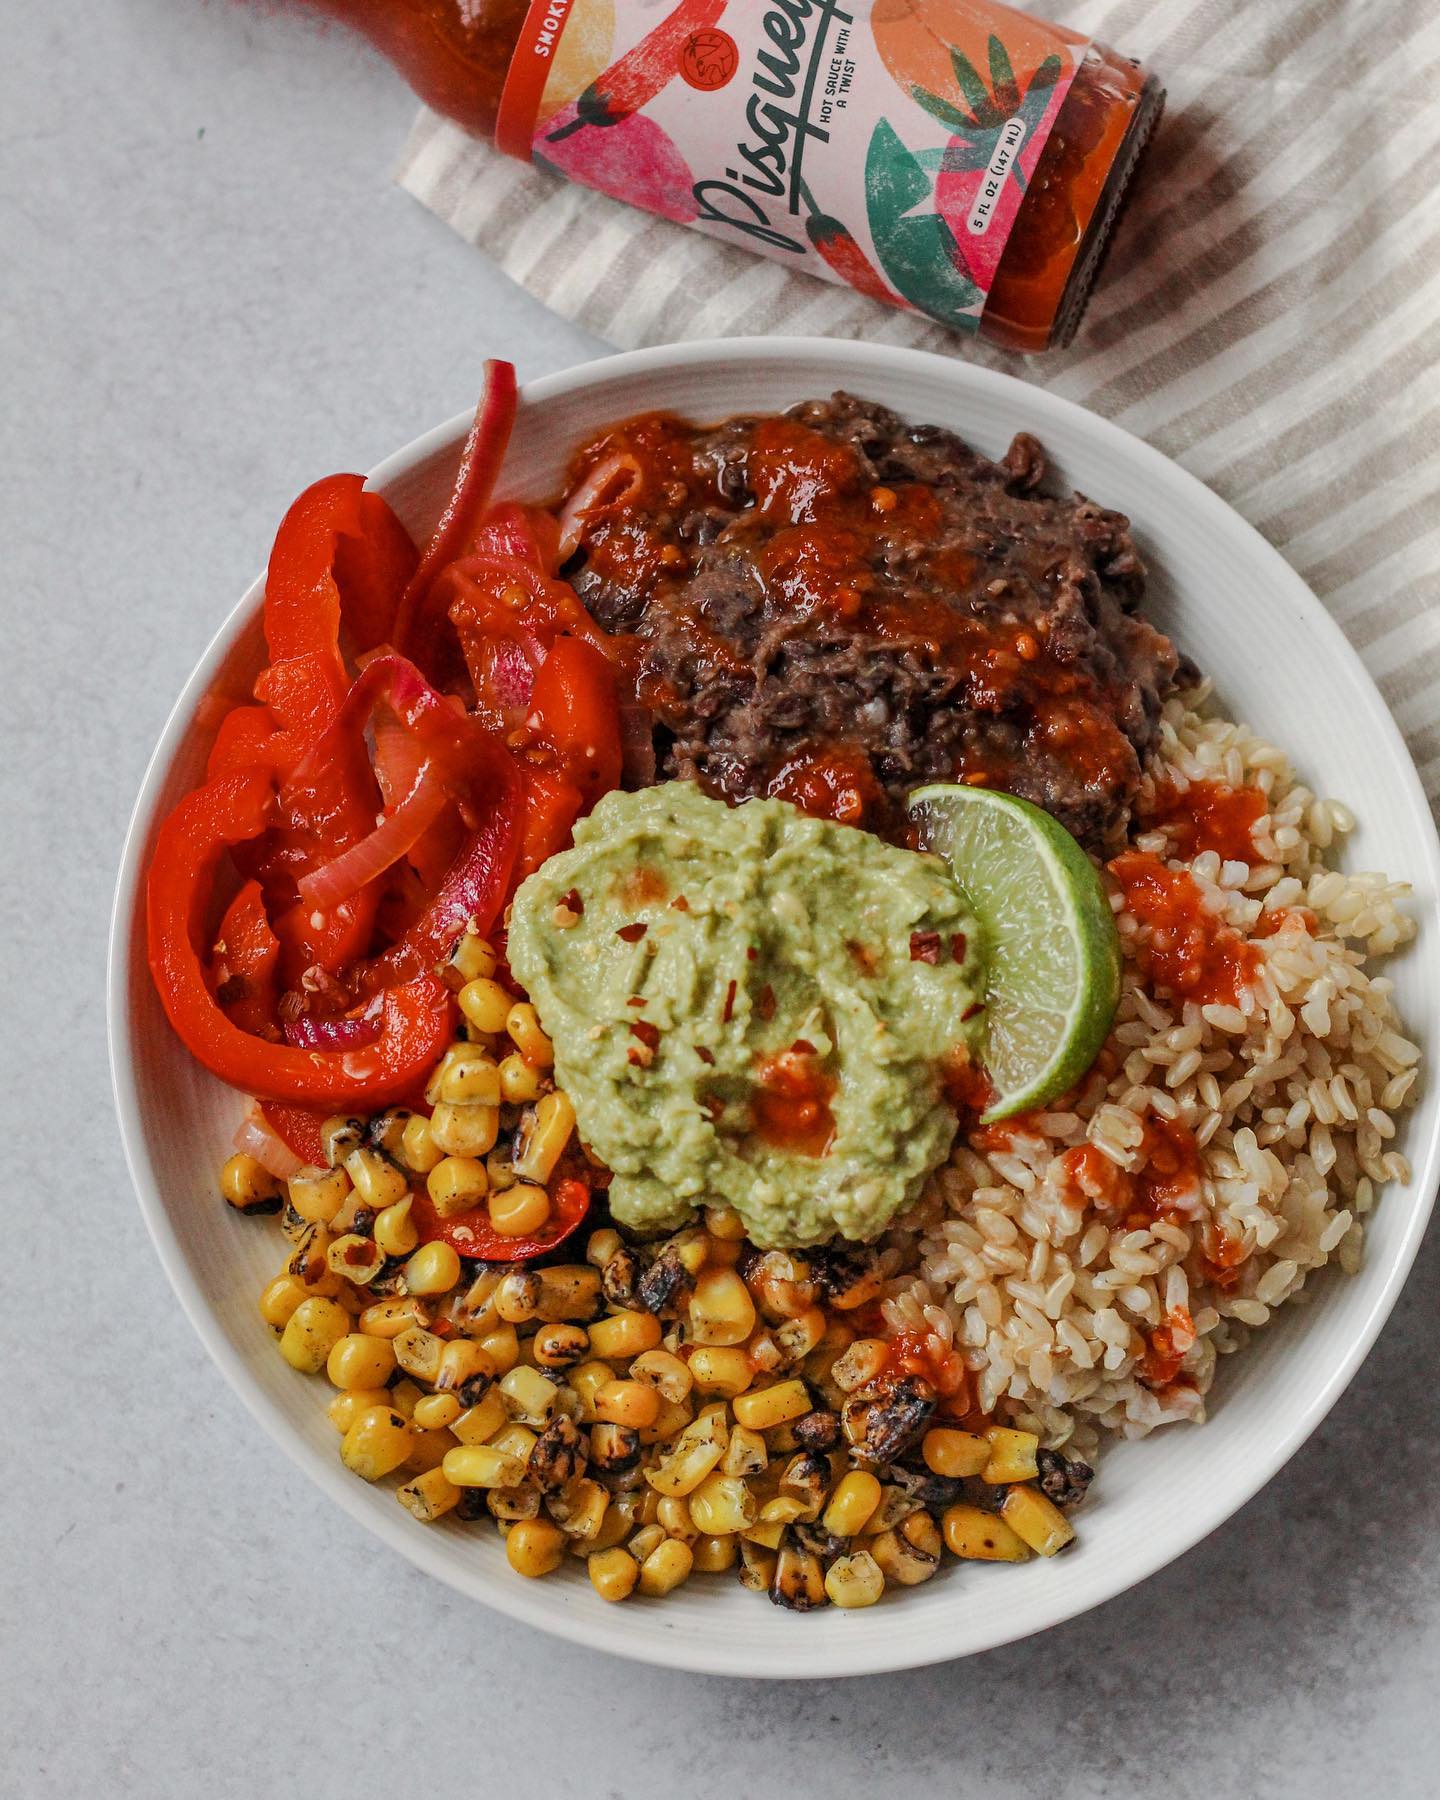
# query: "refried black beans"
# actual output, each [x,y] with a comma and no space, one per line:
[833,606]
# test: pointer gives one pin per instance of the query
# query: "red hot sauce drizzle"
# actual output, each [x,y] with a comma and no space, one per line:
[1191,951]
[1207,815]
[790,1103]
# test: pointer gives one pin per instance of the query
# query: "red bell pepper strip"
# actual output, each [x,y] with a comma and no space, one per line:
[552,805]
[416,1018]
[246,740]
[419,627]
[298,1127]
[634,79]
[471,1233]
[575,715]
[372,571]
[245,969]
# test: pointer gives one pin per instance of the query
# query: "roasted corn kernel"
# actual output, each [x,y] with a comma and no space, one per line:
[316,1193]
[249,1187]
[854,1580]
[665,1568]
[721,1310]
[358,1361]
[377,1443]
[535,1547]
[764,1407]
[485,1004]
[520,1082]
[465,1130]
[625,1334]
[1012,1456]
[433,1269]
[546,1133]
[395,1231]
[375,1178]
[613,1574]
[312,1332]
[522,1025]
[954,1453]
[1034,1517]
[456,1183]
[418,1150]
[429,1496]
[980,1536]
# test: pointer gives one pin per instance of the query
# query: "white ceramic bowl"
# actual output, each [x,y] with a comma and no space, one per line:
[1278,662]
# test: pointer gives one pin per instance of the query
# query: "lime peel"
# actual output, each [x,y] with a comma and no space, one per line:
[1052,951]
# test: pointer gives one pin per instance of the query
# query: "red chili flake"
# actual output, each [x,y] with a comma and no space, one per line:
[751,953]
[635,1000]
[803,1047]
[714,1107]
[573,901]
[648,1034]
[706,1056]
[959,945]
[765,1006]
[632,934]
[679,904]
[729,1011]
[925,946]
[975,1006]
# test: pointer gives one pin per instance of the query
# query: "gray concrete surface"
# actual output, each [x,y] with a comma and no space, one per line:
[210,294]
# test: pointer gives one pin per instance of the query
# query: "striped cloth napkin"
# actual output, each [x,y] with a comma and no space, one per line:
[1270,316]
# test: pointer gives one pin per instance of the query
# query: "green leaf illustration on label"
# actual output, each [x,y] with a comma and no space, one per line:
[917,250]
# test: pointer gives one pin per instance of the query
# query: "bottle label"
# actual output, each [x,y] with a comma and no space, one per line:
[883,144]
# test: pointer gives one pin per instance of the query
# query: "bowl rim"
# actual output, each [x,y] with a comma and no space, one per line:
[838,1657]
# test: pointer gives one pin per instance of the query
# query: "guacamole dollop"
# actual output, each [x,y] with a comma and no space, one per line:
[751,1007]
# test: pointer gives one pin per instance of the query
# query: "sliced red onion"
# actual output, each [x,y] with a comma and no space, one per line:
[274,1155]
[393,838]
[351,1032]
[613,482]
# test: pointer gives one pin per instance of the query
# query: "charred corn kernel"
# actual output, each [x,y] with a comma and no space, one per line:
[1012,1456]
[477,1309]
[714,1554]
[480,1422]
[405,1397]
[860,1364]
[388,1318]
[601,1245]
[418,1150]
[462,1362]
[1037,1519]
[672,1515]
[625,1334]
[721,1310]
[771,1406]
[357,1361]
[429,1496]
[558,1346]
[613,1574]
[441,1070]
[428,1450]
[722,1252]
[666,1373]
[784,1509]
[673,1417]
[519,1081]
[766,1356]
[691,1247]
[311,1333]
[395,1231]
[910,1553]
[279,1299]
[515,1440]
[418,1353]
[376,1179]
[637,1506]
[522,1026]
[765,1532]
[717,1369]
[647,1538]
[665,1568]
[347,1407]
[547,1131]
[502,1346]
[853,1503]
[479,1465]
[529,1396]
[796,1338]
[587,1381]
[437,1411]
[339,1135]
[615,1527]
[954,1453]
[722,1505]
[456,1183]
[746,1453]
[465,1130]
[316,1193]
[472,957]
[757,1566]
[249,1187]
[433,1269]
[724,1222]
[485,1004]
[568,1291]
[579,1508]
[627,1403]
[377,1443]
[854,1580]
[980,1536]
[472,1079]
[386,1130]
[517,1298]
[535,1547]
[358,1259]
[697,1450]
[799,1580]
[519,1211]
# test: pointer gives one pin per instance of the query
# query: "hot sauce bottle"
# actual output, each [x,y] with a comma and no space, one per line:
[956,158]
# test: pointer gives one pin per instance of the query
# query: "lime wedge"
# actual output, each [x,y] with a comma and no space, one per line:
[1053,954]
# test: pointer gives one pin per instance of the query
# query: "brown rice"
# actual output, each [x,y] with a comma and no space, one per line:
[1291,1094]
